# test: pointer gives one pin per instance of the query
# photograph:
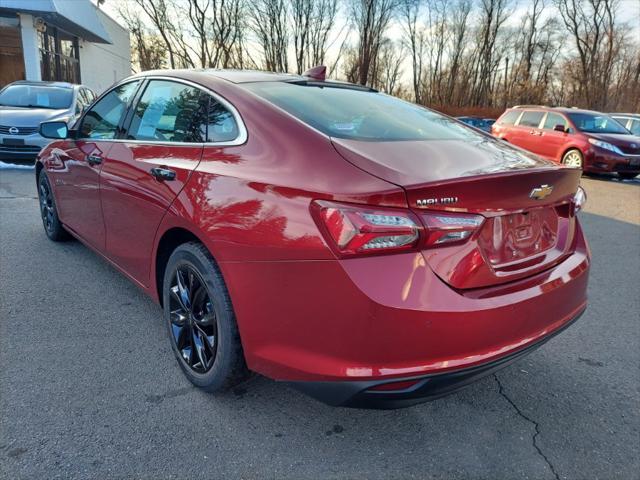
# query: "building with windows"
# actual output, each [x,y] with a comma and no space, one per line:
[62,40]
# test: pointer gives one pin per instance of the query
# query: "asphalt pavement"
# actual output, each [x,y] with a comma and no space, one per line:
[89,387]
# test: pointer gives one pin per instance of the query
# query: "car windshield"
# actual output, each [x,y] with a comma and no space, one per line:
[36,96]
[593,123]
[359,114]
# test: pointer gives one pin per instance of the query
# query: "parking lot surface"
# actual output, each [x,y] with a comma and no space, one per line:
[89,387]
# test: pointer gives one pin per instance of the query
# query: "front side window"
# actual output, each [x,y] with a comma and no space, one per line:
[554,119]
[101,122]
[594,123]
[360,114]
[169,111]
[531,118]
[36,96]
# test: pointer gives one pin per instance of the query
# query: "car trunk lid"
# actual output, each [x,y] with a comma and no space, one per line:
[528,219]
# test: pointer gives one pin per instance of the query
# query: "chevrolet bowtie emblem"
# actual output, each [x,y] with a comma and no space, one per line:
[541,192]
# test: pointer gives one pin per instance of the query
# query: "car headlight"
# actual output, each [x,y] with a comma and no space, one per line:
[605,145]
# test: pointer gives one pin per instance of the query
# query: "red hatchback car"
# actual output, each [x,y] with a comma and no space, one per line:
[366,250]
[584,139]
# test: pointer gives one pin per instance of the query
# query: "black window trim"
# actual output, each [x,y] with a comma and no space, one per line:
[121,132]
[240,139]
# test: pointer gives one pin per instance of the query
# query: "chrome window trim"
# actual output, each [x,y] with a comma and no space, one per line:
[242,129]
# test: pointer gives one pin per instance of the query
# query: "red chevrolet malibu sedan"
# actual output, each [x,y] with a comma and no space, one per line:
[368,251]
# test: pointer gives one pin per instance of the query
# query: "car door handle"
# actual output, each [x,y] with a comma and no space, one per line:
[163,173]
[94,159]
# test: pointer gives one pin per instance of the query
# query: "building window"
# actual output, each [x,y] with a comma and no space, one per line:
[59,56]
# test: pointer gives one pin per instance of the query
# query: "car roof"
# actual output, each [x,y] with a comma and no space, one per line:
[626,115]
[557,109]
[243,76]
[46,84]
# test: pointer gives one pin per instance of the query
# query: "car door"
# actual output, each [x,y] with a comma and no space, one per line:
[529,131]
[552,144]
[76,171]
[146,169]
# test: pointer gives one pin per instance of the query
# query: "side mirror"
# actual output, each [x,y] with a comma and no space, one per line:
[559,128]
[55,130]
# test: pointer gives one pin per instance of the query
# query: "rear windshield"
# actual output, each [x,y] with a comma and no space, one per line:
[36,96]
[593,123]
[359,114]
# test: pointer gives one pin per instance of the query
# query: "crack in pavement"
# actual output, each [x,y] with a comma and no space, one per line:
[533,422]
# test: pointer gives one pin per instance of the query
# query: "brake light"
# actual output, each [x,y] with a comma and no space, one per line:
[445,228]
[354,230]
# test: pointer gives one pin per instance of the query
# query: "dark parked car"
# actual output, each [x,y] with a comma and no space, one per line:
[476,122]
[584,139]
[24,105]
[630,121]
[364,249]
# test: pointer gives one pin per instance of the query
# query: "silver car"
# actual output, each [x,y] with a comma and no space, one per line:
[24,104]
[630,121]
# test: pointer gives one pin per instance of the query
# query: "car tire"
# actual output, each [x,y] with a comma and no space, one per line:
[573,158]
[48,210]
[200,320]
[627,175]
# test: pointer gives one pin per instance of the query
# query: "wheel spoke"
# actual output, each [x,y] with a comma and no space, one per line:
[199,347]
[209,340]
[183,291]
[175,293]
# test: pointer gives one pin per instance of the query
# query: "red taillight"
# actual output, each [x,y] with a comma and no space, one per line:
[358,230]
[447,228]
[355,230]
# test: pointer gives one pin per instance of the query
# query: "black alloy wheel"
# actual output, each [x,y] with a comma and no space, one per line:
[48,211]
[193,321]
[200,320]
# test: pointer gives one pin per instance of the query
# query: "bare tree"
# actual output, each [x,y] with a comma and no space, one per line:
[389,67]
[322,22]
[493,14]
[147,49]
[302,12]
[459,29]
[371,19]
[164,18]
[269,23]
[415,40]
[592,24]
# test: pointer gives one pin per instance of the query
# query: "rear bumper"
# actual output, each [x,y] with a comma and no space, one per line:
[358,394]
[388,318]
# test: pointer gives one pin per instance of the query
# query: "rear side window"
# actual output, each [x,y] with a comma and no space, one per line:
[101,121]
[635,127]
[169,111]
[359,114]
[554,119]
[509,118]
[531,119]
[221,125]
